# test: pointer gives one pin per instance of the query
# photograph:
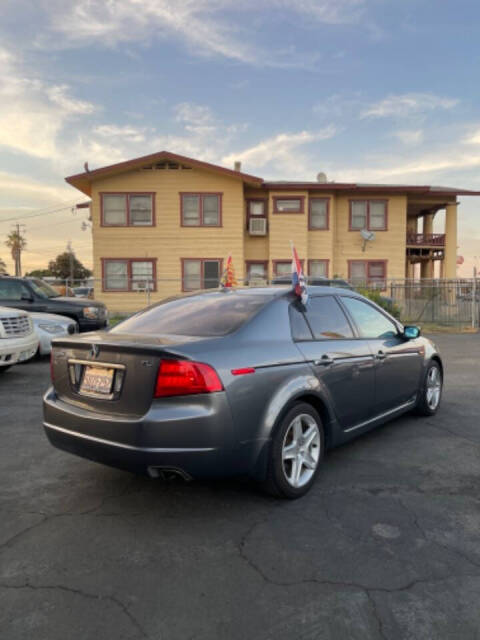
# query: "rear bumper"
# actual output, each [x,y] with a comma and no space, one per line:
[193,462]
[196,437]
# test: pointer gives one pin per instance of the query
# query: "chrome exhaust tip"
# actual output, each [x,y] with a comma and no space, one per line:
[168,474]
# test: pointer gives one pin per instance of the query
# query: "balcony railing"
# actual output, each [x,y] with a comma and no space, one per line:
[426,239]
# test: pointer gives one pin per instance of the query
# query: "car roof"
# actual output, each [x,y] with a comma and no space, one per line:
[275,291]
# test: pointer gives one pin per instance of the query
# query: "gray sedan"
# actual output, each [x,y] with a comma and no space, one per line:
[238,382]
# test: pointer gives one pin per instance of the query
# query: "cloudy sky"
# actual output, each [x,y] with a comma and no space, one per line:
[365,90]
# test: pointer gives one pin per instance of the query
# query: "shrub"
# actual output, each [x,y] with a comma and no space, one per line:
[382,301]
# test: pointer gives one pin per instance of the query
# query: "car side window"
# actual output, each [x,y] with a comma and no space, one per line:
[11,290]
[370,322]
[327,319]
[298,324]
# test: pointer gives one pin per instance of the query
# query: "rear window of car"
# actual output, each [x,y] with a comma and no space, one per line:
[205,316]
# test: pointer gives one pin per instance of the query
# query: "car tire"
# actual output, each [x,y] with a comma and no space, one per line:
[296,452]
[431,390]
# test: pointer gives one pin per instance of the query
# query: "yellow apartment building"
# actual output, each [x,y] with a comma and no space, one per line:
[168,222]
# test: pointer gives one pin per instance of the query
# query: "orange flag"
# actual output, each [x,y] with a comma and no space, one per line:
[228,277]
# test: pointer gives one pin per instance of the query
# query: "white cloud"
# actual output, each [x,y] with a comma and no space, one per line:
[33,113]
[207,27]
[197,119]
[406,104]
[128,133]
[201,134]
[423,169]
[326,11]
[410,137]
[59,95]
[28,191]
[191,113]
[473,138]
[280,152]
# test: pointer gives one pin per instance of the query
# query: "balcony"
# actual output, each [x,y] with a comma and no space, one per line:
[425,239]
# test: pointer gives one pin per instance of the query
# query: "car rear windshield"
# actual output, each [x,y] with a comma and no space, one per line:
[205,316]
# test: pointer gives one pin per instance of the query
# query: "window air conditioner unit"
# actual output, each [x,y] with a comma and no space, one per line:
[257,226]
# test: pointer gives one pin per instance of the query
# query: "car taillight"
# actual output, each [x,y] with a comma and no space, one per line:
[182,378]
[52,374]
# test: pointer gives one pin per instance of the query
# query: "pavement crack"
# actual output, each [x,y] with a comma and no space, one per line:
[334,583]
[10,541]
[376,614]
[68,514]
[430,540]
[84,594]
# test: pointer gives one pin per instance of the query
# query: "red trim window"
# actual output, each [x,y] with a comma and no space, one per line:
[201,273]
[201,209]
[368,214]
[368,272]
[318,213]
[288,204]
[256,208]
[127,209]
[318,268]
[129,274]
[256,271]
[283,268]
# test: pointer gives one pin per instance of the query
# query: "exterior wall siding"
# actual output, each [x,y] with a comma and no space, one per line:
[168,242]
[284,227]
[388,245]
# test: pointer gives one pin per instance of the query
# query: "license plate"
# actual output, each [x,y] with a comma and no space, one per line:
[97,380]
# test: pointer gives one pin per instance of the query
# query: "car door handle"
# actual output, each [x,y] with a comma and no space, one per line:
[324,360]
[381,355]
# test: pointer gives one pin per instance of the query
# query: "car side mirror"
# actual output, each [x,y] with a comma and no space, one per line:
[411,332]
[26,297]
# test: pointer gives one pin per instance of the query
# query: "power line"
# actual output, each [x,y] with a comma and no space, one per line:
[41,212]
[57,224]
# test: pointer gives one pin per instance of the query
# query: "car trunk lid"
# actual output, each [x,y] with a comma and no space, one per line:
[112,374]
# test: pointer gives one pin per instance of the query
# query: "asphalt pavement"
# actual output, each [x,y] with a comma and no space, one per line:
[386,545]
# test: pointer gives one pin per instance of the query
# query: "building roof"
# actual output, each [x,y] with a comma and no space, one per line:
[424,190]
[82,181]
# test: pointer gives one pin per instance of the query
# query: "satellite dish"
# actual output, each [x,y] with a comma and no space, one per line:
[367,236]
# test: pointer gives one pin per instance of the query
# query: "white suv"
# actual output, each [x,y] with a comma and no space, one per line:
[18,341]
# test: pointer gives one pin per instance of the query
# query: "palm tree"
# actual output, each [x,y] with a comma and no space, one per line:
[16,243]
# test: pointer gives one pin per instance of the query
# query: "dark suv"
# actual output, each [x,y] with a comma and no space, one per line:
[32,294]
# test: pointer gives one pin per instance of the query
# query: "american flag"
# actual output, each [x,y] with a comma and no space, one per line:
[298,279]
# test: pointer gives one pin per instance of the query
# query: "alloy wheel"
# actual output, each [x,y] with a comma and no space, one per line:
[301,450]
[434,388]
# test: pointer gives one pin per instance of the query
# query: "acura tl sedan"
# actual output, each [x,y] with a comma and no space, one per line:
[238,382]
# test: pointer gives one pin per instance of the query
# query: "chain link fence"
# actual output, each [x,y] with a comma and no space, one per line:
[443,302]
